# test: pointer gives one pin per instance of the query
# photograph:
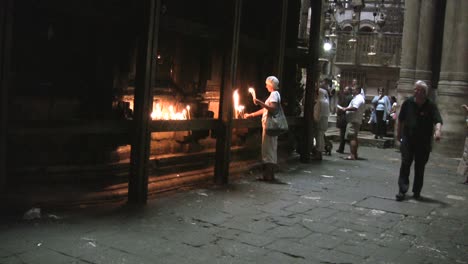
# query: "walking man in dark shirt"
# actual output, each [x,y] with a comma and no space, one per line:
[419,121]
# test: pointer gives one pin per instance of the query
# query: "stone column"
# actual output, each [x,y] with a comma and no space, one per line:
[305,5]
[425,47]
[453,82]
[409,49]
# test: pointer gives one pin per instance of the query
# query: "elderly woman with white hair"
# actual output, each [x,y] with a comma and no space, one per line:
[269,143]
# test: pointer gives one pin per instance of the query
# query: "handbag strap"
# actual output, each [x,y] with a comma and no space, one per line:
[279,106]
[278,111]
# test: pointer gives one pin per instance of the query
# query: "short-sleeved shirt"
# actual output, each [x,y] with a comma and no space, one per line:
[273,98]
[357,102]
[419,121]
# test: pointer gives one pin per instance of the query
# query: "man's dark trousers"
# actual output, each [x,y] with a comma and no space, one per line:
[420,154]
[342,138]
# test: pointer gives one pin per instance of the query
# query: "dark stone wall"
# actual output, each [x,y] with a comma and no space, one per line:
[73,60]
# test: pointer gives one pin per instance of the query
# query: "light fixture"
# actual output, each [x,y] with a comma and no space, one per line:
[372,51]
[327,46]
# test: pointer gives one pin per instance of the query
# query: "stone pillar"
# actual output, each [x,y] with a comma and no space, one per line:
[453,82]
[425,47]
[417,45]
[305,5]
[409,49]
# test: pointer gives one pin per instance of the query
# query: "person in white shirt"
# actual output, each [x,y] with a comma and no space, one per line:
[321,113]
[334,88]
[354,112]
[361,89]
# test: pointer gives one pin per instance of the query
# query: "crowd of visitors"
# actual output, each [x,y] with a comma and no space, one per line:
[419,123]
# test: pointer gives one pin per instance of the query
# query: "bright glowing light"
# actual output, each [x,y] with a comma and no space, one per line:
[235,98]
[327,46]
[238,108]
[157,111]
[252,92]
[168,114]
[188,112]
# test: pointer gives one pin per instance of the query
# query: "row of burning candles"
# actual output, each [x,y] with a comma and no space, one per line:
[170,114]
[159,113]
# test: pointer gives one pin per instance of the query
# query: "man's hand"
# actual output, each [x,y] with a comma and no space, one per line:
[438,132]
[465,107]
[437,135]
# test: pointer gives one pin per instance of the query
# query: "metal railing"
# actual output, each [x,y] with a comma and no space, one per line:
[369,49]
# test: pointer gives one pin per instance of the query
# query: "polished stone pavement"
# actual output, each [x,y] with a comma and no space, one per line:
[333,211]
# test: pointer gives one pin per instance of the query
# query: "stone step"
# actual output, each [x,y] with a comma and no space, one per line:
[365,138]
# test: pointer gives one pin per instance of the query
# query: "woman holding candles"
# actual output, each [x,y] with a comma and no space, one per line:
[269,143]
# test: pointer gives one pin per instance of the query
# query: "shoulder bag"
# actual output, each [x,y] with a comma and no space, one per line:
[276,124]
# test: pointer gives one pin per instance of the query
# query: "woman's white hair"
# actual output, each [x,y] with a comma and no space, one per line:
[422,84]
[274,81]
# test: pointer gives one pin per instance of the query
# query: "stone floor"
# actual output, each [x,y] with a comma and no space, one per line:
[333,211]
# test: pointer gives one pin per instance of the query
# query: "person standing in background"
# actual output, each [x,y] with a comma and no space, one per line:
[321,113]
[360,89]
[394,102]
[463,165]
[354,112]
[334,88]
[344,100]
[382,108]
[393,113]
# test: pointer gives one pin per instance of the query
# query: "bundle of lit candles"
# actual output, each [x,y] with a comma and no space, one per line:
[239,109]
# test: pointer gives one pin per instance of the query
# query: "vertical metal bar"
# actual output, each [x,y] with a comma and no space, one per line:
[359,40]
[223,141]
[6,26]
[148,39]
[312,74]
[282,45]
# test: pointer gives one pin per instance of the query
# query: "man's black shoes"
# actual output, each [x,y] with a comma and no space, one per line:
[417,196]
[400,196]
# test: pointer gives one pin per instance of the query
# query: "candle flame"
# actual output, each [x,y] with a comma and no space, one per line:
[239,109]
[235,97]
[159,113]
[252,92]
[188,112]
